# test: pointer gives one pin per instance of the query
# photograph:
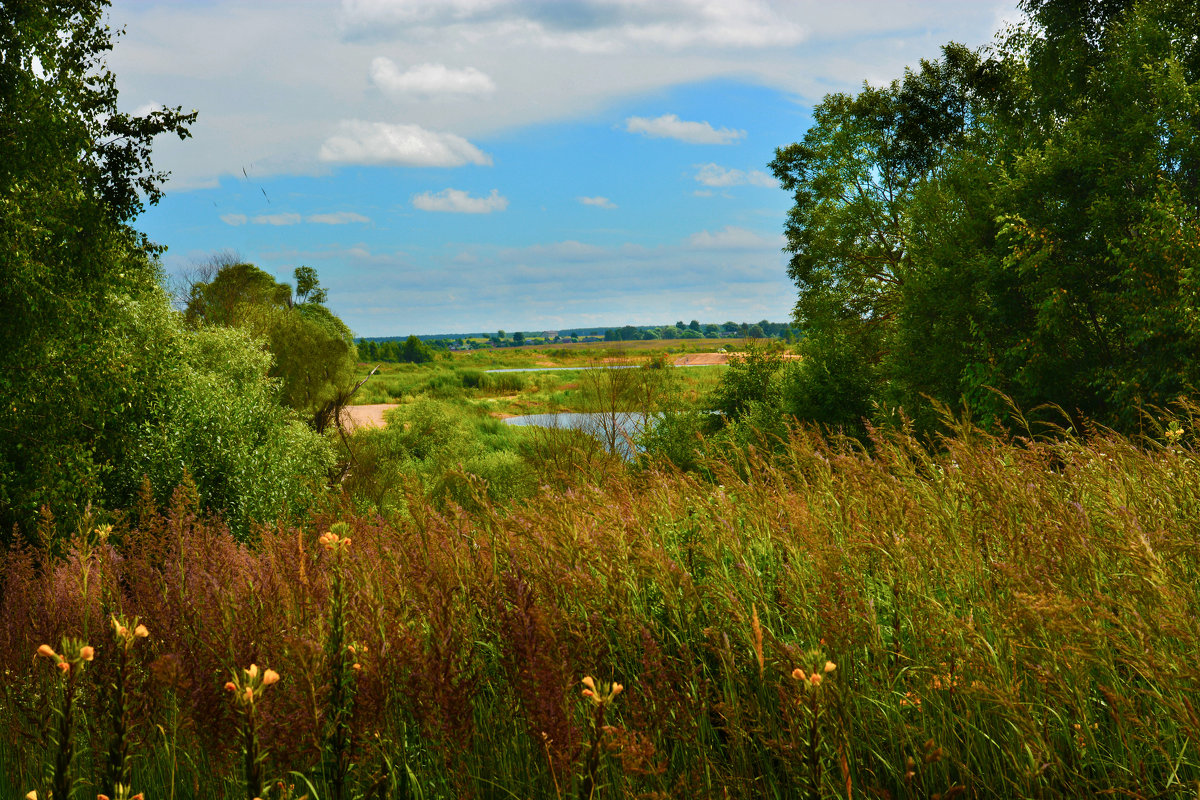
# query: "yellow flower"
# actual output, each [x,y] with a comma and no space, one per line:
[588,682]
[252,671]
[798,674]
[269,677]
[617,689]
[87,653]
[47,651]
[830,667]
[141,632]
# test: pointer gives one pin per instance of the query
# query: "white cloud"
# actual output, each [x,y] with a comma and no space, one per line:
[361,142]
[276,219]
[429,79]
[588,26]
[670,126]
[730,237]
[233,219]
[716,175]
[336,218]
[599,202]
[459,202]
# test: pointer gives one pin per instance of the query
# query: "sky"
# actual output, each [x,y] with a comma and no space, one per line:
[476,165]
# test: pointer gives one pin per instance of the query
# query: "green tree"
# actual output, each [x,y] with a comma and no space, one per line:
[314,353]
[74,170]
[1023,222]
[414,351]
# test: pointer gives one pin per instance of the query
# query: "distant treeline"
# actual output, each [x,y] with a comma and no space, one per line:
[418,349]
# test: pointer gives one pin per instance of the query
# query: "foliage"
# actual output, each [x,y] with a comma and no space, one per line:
[999,618]
[1022,219]
[314,353]
[101,386]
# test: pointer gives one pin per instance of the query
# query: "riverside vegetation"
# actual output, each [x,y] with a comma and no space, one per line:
[1002,617]
[863,572]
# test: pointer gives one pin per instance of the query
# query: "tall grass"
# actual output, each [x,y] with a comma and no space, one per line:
[989,618]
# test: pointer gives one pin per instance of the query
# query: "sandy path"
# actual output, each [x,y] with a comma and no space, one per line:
[365,416]
[702,359]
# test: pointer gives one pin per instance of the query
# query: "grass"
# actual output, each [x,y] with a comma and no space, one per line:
[464,377]
[987,618]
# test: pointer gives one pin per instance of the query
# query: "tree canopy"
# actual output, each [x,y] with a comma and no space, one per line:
[100,383]
[1020,220]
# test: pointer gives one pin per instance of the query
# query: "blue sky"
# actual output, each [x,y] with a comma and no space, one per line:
[457,165]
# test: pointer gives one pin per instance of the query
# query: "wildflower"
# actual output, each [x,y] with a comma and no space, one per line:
[87,653]
[830,667]
[103,532]
[252,671]
[815,680]
[798,675]
[617,689]
[31,796]
[64,666]
[230,687]
[270,677]
[588,682]
[248,696]
[356,667]
[47,651]
[141,632]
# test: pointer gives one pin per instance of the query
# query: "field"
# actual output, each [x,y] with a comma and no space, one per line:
[989,618]
[463,378]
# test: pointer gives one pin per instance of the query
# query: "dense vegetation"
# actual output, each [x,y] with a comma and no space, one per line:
[824,576]
[1016,223]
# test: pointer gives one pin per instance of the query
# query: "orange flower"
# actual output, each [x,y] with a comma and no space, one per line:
[798,674]
[830,667]
[230,686]
[141,632]
[269,677]
[47,651]
[87,653]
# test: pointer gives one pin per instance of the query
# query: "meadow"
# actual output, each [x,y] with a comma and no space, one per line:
[980,616]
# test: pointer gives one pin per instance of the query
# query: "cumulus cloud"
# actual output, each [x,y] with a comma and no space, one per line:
[359,142]
[599,202]
[716,175]
[459,202]
[670,126]
[234,219]
[276,219]
[429,79]
[730,237]
[336,218]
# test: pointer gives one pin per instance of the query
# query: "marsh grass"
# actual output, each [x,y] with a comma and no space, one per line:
[988,617]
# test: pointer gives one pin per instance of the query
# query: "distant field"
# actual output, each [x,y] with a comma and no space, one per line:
[464,377]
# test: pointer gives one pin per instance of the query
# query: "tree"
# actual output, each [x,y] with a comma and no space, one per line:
[308,286]
[74,170]
[518,338]
[1022,222]
[314,353]
[415,351]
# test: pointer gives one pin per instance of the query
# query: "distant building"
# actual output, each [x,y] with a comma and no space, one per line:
[550,334]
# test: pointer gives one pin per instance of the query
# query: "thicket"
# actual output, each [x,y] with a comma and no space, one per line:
[1025,218]
[100,382]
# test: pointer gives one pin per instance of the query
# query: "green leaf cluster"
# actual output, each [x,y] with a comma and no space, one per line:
[101,383]
[1020,220]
